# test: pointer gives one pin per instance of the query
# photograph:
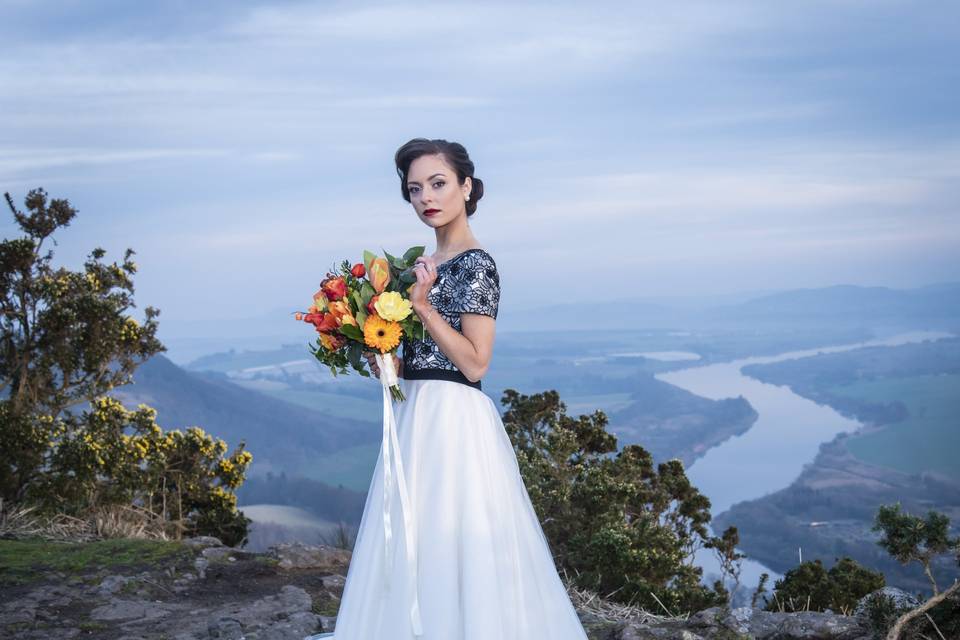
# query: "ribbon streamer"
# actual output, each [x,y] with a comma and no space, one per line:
[388,377]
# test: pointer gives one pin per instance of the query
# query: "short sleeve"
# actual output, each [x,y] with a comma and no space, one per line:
[478,286]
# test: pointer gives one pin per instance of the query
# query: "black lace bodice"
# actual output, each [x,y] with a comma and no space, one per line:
[466,283]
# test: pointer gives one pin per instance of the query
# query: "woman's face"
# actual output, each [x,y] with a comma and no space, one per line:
[434,192]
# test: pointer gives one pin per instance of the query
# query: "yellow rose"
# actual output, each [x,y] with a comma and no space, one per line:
[392,306]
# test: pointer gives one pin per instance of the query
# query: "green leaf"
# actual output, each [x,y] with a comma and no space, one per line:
[413,253]
[355,355]
[367,292]
[351,332]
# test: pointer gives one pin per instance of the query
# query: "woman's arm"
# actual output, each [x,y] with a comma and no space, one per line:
[470,350]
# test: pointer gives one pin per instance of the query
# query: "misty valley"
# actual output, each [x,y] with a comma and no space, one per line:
[796,432]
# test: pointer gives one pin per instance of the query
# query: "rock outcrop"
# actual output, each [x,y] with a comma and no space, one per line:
[292,592]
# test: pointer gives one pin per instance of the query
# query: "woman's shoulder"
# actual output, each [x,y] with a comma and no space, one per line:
[476,255]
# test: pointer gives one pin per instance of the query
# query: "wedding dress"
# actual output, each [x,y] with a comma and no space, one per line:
[449,545]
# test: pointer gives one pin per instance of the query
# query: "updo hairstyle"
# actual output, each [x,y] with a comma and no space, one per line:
[453,153]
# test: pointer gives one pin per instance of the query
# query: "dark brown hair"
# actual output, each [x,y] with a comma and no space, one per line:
[453,153]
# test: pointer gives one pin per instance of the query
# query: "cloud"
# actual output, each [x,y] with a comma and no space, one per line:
[726,117]
[24,159]
[239,141]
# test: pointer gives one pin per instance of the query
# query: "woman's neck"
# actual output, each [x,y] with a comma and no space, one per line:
[451,241]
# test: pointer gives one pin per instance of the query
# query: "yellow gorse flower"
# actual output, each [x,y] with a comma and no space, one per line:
[392,306]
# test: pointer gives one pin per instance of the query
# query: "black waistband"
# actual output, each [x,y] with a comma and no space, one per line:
[439,374]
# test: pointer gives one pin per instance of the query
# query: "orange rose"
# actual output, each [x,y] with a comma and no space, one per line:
[332,342]
[379,274]
[320,300]
[341,311]
[334,288]
[323,322]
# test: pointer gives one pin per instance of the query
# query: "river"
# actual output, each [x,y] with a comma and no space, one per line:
[785,437]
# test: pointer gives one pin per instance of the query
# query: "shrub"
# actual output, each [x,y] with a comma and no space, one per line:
[66,342]
[616,523]
[811,587]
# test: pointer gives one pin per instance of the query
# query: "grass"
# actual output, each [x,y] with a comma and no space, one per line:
[26,560]
[928,440]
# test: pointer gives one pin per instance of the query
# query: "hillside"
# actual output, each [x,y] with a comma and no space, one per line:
[828,513]
[909,395]
[673,423]
[907,398]
[282,436]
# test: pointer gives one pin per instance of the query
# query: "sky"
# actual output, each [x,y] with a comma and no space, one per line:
[627,149]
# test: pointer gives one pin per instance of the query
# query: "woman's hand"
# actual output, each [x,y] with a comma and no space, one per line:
[425,269]
[372,361]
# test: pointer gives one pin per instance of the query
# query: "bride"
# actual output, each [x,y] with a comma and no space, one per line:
[461,555]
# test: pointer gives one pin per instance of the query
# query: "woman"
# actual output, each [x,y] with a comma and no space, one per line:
[480,567]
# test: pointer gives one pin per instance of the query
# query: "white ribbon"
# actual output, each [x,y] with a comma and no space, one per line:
[388,377]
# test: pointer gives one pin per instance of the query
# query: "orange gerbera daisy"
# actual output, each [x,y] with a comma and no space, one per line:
[381,334]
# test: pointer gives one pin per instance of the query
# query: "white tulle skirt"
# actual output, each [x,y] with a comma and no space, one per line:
[482,565]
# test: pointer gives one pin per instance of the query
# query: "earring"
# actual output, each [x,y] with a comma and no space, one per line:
[468,196]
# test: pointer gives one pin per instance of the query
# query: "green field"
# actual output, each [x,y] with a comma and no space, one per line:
[334,404]
[351,466]
[928,440]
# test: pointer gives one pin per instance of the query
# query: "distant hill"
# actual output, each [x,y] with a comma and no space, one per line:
[933,306]
[282,436]
[850,303]
[836,307]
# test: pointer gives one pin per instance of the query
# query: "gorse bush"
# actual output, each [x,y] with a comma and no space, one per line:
[617,523]
[811,587]
[180,475]
[66,342]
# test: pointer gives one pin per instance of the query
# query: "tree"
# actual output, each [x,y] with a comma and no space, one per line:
[912,539]
[67,340]
[909,538]
[616,522]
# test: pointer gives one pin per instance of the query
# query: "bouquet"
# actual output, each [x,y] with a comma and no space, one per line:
[362,307]
[367,306]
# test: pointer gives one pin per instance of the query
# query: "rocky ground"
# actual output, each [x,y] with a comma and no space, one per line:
[132,590]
